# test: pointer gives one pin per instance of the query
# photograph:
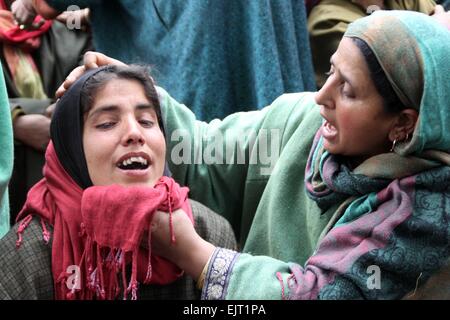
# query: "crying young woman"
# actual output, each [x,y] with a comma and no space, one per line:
[84,230]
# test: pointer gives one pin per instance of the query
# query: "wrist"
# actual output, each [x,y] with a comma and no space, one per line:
[201,278]
[195,260]
[16,113]
[17,123]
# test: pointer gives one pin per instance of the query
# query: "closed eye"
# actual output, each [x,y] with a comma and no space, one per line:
[346,93]
[147,123]
[105,125]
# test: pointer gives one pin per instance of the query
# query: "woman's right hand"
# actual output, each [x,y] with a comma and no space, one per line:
[189,251]
[91,60]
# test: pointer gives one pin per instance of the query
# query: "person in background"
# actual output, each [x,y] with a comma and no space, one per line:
[329,20]
[217,57]
[6,156]
[36,59]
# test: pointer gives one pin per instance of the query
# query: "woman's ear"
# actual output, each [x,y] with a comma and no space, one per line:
[404,125]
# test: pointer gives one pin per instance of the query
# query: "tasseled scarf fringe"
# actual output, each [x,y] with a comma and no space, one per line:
[112,267]
[98,268]
[24,224]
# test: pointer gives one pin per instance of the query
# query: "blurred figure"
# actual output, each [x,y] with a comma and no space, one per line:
[216,56]
[329,20]
[36,59]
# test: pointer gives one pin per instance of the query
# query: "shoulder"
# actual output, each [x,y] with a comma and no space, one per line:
[304,99]
[291,108]
[25,272]
[424,6]
[333,15]
[212,227]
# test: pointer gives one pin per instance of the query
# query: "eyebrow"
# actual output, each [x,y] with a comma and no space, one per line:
[115,108]
[346,79]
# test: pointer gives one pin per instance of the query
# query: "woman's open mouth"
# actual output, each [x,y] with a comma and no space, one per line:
[329,131]
[134,164]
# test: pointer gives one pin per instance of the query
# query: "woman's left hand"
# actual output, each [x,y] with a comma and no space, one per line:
[189,251]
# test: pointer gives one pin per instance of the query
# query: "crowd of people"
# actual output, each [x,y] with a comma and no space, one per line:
[156,185]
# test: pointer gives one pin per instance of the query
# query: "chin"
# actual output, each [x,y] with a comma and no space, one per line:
[329,147]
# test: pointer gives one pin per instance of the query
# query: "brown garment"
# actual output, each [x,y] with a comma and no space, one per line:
[329,20]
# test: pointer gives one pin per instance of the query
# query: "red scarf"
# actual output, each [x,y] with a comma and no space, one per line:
[99,230]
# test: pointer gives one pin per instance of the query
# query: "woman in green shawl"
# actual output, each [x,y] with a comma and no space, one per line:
[355,204]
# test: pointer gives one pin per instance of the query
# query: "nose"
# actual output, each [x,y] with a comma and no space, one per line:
[324,97]
[132,132]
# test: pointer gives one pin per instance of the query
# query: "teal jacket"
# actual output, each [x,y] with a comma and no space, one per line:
[6,156]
